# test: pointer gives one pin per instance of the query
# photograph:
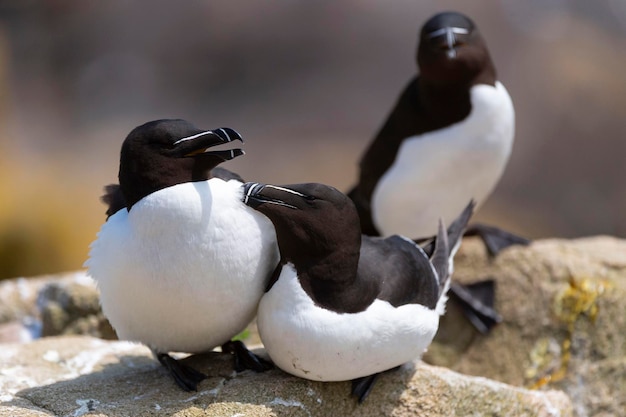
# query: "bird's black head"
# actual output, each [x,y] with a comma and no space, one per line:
[452,50]
[163,153]
[313,221]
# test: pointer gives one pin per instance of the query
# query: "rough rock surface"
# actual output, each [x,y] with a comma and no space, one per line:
[564,321]
[84,376]
[562,302]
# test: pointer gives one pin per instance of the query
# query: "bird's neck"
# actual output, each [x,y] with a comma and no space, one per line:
[332,283]
[444,103]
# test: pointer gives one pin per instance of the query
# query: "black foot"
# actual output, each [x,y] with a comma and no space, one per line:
[361,387]
[186,377]
[495,239]
[244,359]
[477,302]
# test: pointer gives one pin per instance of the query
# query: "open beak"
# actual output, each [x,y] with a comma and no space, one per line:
[253,195]
[199,143]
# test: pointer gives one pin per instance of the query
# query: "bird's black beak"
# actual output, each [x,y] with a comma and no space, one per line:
[448,39]
[253,195]
[198,143]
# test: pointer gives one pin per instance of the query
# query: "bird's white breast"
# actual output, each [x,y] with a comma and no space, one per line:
[185,268]
[437,173]
[318,344]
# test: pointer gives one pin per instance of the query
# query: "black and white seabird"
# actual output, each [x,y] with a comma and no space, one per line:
[446,141]
[181,263]
[346,306]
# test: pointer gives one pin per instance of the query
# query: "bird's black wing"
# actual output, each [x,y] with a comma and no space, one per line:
[224,174]
[113,198]
[403,270]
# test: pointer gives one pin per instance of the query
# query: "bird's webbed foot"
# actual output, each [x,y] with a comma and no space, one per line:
[245,359]
[185,376]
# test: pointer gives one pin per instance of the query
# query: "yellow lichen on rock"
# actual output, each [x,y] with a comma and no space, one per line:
[577,300]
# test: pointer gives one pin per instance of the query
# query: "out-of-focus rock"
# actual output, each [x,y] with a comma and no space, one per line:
[564,321]
[82,376]
[73,308]
[51,305]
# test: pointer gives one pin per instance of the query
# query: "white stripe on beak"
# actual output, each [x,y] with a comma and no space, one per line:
[208,132]
[225,134]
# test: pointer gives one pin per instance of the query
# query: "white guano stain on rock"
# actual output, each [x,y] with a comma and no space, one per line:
[6,397]
[311,393]
[127,391]
[85,362]
[198,395]
[23,289]
[217,389]
[85,406]
[52,356]
[8,352]
[291,403]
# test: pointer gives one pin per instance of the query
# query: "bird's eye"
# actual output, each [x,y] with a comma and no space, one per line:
[309,198]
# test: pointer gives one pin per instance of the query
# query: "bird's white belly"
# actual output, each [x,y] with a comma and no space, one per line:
[313,343]
[184,270]
[436,174]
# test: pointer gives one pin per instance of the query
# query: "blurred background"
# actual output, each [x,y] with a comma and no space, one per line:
[307,84]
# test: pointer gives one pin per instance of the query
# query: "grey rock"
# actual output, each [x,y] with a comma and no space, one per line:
[562,301]
[84,376]
[564,321]
[51,305]
[72,307]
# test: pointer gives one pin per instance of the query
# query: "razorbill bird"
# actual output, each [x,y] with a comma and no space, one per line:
[346,306]
[181,263]
[446,141]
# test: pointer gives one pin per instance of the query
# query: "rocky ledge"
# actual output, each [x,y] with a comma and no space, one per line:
[564,324]
[564,328]
[84,376]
